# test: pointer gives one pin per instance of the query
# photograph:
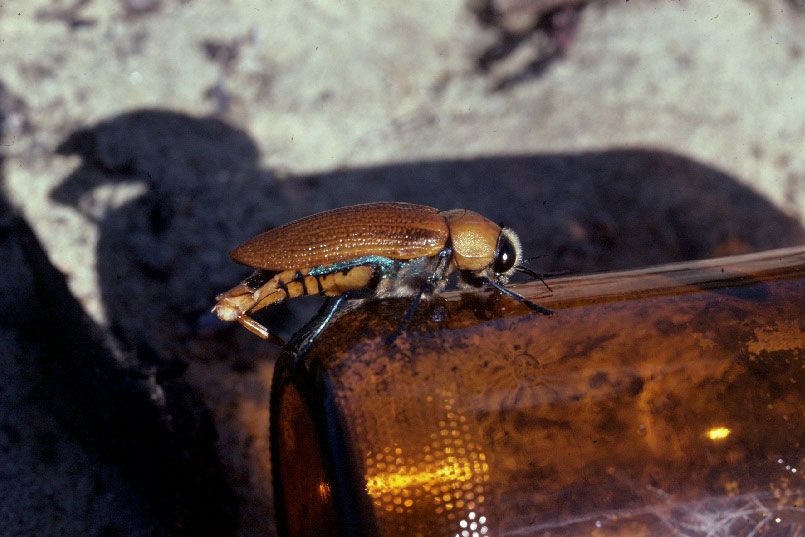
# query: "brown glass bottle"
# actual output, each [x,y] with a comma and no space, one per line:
[664,401]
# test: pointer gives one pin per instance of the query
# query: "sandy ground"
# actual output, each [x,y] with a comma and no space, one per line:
[142,139]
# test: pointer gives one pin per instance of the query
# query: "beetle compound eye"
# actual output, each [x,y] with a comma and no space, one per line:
[506,255]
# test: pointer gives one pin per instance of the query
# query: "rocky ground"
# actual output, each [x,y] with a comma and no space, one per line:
[141,139]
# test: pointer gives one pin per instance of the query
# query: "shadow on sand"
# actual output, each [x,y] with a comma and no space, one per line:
[161,255]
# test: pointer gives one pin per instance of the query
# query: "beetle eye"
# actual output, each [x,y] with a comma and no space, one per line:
[505,257]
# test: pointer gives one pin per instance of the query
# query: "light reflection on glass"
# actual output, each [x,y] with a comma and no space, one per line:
[718,433]
[406,478]
[444,475]
[473,526]
[324,490]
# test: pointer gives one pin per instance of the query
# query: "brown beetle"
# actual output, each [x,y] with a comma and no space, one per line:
[383,250]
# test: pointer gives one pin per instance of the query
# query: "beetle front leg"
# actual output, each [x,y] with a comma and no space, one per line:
[426,289]
[519,298]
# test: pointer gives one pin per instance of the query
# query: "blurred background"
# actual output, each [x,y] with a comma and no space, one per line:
[140,140]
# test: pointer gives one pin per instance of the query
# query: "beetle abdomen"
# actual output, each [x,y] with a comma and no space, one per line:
[392,230]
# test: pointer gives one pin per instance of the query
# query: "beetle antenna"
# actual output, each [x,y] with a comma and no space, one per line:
[535,275]
[519,298]
[533,257]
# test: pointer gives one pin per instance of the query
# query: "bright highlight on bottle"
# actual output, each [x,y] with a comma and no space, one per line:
[718,433]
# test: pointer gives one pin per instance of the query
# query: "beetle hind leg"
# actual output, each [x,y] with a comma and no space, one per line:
[254,327]
[304,339]
[259,290]
[235,305]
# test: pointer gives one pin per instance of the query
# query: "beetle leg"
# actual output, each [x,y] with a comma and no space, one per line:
[519,298]
[341,283]
[236,304]
[255,293]
[427,288]
[309,333]
[254,327]
[233,303]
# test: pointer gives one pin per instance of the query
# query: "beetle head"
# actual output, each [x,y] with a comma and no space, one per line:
[482,247]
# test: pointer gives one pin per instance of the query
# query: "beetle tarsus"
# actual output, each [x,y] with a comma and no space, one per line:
[521,299]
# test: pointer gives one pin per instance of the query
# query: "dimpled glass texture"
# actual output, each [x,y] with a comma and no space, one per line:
[663,401]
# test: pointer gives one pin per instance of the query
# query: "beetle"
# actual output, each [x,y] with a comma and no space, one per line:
[385,249]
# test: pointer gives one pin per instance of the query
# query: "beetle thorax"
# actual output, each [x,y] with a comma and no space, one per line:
[474,239]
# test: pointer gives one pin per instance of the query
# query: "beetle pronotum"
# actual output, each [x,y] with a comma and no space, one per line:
[383,250]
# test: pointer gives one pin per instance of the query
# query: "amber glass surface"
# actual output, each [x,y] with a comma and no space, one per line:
[664,401]
[306,502]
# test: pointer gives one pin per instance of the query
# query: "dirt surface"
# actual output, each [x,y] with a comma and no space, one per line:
[142,139]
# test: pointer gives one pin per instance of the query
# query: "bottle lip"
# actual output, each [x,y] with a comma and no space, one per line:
[665,279]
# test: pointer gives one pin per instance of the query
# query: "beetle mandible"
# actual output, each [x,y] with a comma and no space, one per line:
[386,249]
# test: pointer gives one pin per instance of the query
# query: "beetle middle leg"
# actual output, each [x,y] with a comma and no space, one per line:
[426,289]
[305,337]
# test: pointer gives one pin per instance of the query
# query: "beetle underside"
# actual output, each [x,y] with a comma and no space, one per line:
[370,277]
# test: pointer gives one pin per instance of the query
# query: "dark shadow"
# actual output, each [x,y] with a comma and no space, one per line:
[117,402]
[198,190]
[162,255]
[6,303]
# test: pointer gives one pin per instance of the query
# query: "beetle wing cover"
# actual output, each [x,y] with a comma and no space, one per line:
[391,229]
